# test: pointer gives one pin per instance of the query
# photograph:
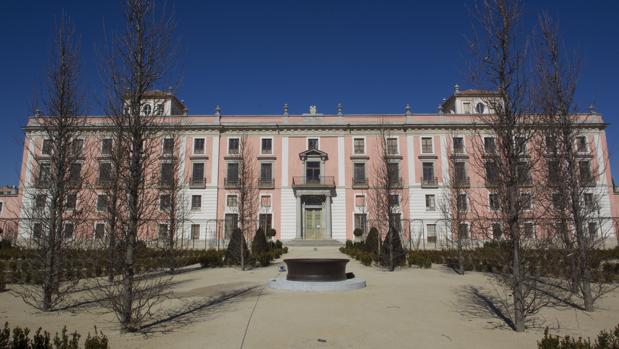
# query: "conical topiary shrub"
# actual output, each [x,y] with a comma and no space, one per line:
[371,241]
[392,253]
[233,252]
[259,245]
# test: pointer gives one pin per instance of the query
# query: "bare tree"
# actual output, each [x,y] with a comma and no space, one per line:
[500,57]
[52,217]
[454,205]
[137,60]
[386,188]
[574,200]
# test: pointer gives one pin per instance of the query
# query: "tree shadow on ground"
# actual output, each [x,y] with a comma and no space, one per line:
[188,311]
[475,303]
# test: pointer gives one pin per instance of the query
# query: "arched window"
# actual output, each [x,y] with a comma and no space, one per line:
[479,108]
[146,109]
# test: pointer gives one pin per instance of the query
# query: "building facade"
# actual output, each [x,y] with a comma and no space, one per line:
[315,171]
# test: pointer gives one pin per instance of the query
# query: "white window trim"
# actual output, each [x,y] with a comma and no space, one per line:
[586,151]
[464,151]
[530,199]
[94,229]
[96,203]
[163,145]
[534,237]
[421,145]
[426,202]
[228,145]
[365,145]
[468,204]
[490,206]
[397,142]
[232,209]
[272,146]
[267,209]
[193,146]
[193,209]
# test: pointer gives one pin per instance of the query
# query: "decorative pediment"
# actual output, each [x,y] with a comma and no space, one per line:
[313,153]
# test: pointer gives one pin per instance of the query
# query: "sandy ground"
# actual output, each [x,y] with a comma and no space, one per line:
[405,309]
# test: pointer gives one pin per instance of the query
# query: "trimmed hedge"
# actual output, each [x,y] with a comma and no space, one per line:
[20,339]
[604,340]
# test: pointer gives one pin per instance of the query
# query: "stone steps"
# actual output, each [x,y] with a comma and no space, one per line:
[312,243]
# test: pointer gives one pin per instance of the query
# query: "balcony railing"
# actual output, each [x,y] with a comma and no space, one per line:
[197,182]
[266,183]
[231,182]
[491,182]
[359,182]
[462,182]
[104,182]
[395,182]
[587,181]
[429,182]
[313,182]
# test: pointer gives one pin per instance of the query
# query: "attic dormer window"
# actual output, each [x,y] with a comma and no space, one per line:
[146,109]
[159,109]
[479,108]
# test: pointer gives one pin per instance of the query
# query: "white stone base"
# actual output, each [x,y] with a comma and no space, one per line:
[316,286]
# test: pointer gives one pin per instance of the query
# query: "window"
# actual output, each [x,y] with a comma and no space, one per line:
[392,146]
[551,145]
[553,172]
[147,109]
[497,232]
[37,231]
[462,202]
[463,231]
[231,201]
[557,203]
[361,221]
[233,146]
[466,107]
[77,146]
[360,200]
[528,230]
[196,202]
[106,146]
[584,169]
[168,146]
[71,201]
[266,171]
[195,231]
[159,109]
[396,221]
[430,202]
[75,171]
[489,145]
[592,228]
[431,233]
[589,204]
[105,171]
[359,172]
[1,204]
[393,173]
[312,171]
[46,149]
[167,170]
[524,177]
[233,171]
[265,221]
[266,146]
[39,201]
[479,108]
[581,144]
[458,145]
[231,221]
[312,143]
[359,145]
[521,145]
[428,172]
[68,230]
[162,231]
[198,146]
[525,201]
[426,145]
[165,202]
[265,201]
[394,200]
[493,201]
[460,173]
[99,231]
[102,202]
[197,172]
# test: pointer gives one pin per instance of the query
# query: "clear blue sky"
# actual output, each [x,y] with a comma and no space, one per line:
[253,56]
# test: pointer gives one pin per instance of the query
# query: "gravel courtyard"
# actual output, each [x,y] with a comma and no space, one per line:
[410,308]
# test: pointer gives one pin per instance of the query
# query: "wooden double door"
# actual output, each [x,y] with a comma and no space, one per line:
[313,229]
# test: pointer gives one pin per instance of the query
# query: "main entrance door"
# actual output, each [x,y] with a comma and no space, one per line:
[313,229]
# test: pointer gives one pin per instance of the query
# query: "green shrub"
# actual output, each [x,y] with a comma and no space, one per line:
[605,340]
[212,258]
[98,341]
[279,244]
[5,244]
[366,258]
[259,245]
[233,252]
[357,232]
[371,241]
[20,339]
[264,258]
[271,233]
[392,250]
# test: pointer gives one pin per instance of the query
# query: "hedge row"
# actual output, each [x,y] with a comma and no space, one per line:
[604,340]
[19,338]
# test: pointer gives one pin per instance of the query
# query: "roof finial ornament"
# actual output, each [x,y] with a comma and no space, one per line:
[456,88]
[313,110]
[170,90]
[37,112]
[217,110]
[440,109]
[408,110]
[592,109]
[340,109]
[285,109]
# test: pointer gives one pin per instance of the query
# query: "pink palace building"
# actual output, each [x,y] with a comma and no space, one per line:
[315,169]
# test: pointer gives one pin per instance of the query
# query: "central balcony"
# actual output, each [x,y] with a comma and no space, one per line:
[429,182]
[197,182]
[266,183]
[321,182]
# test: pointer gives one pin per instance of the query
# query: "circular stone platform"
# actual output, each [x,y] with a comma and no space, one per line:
[316,286]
